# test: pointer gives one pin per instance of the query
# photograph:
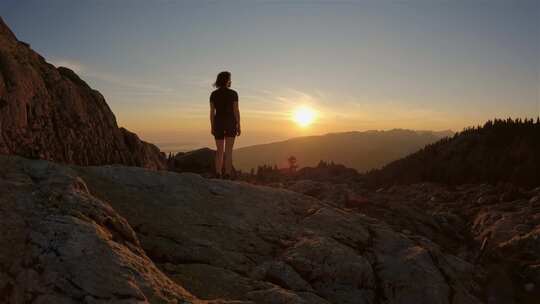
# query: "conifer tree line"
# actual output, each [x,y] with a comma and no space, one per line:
[500,151]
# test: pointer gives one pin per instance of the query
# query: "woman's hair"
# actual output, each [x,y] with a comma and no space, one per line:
[222,79]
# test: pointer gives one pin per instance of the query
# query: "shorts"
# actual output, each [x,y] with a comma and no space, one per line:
[224,129]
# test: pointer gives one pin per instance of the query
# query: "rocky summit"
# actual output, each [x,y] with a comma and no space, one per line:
[50,113]
[77,229]
[130,235]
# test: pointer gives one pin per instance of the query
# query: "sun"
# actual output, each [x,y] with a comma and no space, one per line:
[304,116]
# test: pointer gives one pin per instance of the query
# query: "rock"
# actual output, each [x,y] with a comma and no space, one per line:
[159,236]
[460,220]
[400,261]
[197,161]
[487,200]
[180,236]
[284,275]
[50,113]
[335,194]
[281,296]
[535,191]
[60,244]
[261,244]
[336,271]
[533,273]
[511,194]
[355,200]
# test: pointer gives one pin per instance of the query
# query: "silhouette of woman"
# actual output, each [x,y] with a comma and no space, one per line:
[225,122]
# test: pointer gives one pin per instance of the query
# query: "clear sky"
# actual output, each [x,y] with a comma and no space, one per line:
[426,64]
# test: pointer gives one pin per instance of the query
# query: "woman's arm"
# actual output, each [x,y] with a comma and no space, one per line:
[237,117]
[212,114]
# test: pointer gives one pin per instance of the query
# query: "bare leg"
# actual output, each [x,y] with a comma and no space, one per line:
[219,156]
[229,143]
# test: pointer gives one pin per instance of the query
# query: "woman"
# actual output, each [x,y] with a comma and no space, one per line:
[225,121]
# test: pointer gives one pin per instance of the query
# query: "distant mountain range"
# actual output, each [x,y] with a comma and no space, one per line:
[362,151]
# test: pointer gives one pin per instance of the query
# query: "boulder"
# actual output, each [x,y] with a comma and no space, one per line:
[61,244]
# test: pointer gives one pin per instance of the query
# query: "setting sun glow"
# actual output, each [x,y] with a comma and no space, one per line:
[304,116]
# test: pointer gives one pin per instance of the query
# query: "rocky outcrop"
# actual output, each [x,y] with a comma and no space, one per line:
[236,241]
[128,234]
[196,161]
[199,161]
[495,228]
[60,244]
[50,113]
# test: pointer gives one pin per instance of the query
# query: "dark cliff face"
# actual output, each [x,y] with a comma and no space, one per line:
[50,113]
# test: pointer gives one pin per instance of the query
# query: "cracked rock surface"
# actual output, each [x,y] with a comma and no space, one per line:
[496,228]
[239,242]
[114,234]
[60,244]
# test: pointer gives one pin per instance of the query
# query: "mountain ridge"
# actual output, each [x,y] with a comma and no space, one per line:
[501,150]
[51,113]
[361,150]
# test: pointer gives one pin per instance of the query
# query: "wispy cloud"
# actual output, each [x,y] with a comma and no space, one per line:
[120,83]
[279,104]
[351,112]
[197,81]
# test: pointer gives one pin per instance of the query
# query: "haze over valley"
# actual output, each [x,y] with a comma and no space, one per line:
[362,151]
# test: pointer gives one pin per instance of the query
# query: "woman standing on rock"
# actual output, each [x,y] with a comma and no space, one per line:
[225,122]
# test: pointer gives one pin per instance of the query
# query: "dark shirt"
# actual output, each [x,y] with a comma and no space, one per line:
[223,100]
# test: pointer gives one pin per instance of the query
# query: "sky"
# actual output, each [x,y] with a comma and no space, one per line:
[360,65]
